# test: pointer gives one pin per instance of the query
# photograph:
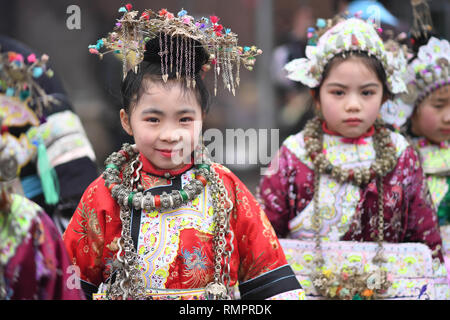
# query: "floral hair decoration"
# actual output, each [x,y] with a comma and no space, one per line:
[346,35]
[18,79]
[132,31]
[426,73]
[22,103]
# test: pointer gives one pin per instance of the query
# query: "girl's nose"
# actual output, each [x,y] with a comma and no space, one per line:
[446,117]
[353,105]
[169,134]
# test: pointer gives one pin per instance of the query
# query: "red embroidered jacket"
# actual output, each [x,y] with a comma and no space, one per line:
[175,246]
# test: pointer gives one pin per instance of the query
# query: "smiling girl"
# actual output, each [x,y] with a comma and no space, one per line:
[345,176]
[164,222]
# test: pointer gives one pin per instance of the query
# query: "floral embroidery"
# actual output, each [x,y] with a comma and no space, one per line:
[159,236]
[197,268]
[15,226]
[268,231]
[90,227]
[149,181]
[254,266]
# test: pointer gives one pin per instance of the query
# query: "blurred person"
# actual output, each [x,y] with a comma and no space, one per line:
[59,142]
[423,114]
[33,259]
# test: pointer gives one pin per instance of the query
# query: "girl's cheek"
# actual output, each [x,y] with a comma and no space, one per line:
[428,118]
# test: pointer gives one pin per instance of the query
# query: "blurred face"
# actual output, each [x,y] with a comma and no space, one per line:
[350,98]
[431,118]
[166,123]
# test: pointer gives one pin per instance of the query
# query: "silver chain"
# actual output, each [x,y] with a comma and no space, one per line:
[129,283]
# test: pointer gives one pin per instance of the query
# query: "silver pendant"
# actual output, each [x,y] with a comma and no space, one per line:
[215,290]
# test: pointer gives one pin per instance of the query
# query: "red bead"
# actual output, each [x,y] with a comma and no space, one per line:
[157,201]
[373,174]
[111,186]
[313,155]
[128,6]
[125,154]
[351,173]
[201,179]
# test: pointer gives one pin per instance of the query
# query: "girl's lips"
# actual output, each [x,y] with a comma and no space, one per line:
[167,153]
[445,131]
[353,121]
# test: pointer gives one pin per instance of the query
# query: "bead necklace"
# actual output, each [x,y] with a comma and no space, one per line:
[384,162]
[128,280]
[358,284]
[136,197]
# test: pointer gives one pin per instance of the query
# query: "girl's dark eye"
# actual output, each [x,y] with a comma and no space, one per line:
[338,93]
[368,92]
[186,119]
[438,106]
[152,120]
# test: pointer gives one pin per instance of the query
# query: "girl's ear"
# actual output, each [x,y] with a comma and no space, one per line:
[125,121]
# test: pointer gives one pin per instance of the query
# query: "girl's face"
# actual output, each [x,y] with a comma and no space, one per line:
[350,98]
[166,123]
[431,119]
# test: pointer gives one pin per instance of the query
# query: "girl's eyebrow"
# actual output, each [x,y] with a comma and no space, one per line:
[440,99]
[187,110]
[337,84]
[152,110]
[161,112]
[373,84]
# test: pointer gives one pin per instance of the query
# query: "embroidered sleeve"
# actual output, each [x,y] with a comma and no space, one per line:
[286,191]
[274,194]
[84,236]
[260,253]
[422,224]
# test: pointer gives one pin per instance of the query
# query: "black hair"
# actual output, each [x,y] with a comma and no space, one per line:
[150,68]
[370,61]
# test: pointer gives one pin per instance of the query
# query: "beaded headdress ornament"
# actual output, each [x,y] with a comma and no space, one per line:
[426,72]
[18,79]
[429,71]
[339,36]
[19,88]
[133,31]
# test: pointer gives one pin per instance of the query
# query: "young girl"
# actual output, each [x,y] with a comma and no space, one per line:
[160,223]
[425,119]
[346,176]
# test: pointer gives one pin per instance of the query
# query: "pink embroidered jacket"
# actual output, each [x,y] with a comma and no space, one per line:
[409,215]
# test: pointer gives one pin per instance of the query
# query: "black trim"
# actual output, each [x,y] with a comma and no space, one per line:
[88,288]
[269,284]
[135,226]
